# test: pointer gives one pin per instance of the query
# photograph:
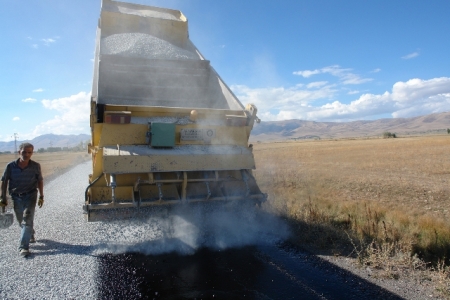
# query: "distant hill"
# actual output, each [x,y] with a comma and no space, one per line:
[292,129]
[298,129]
[48,140]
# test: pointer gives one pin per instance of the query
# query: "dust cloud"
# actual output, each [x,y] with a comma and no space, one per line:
[184,229]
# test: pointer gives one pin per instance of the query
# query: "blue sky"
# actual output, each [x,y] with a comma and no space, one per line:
[321,60]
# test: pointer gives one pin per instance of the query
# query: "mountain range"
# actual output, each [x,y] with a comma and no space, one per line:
[298,129]
[48,140]
[291,130]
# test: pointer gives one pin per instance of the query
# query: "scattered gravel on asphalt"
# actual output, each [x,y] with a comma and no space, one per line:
[63,263]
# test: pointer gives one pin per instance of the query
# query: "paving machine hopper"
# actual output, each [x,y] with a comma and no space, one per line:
[165,128]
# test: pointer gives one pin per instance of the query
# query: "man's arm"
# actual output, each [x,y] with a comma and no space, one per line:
[3,194]
[41,187]
[41,193]
[5,181]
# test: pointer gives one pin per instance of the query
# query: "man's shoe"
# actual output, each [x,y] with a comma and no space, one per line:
[24,252]
[32,239]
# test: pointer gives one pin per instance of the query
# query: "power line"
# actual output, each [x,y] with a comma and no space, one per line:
[16,136]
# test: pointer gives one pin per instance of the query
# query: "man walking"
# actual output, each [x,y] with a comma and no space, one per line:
[23,177]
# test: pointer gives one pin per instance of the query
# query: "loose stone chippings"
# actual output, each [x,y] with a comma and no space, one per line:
[143,45]
[146,13]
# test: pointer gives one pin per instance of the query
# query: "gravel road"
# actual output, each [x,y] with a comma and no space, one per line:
[73,259]
[65,260]
[61,265]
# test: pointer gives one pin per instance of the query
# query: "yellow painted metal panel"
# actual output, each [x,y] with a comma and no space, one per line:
[140,159]
[97,165]
[129,179]
[151,192]
[123,134]
[179,111]
[138,164]
[135,134]
[96,133]
[224,135]
[104,194]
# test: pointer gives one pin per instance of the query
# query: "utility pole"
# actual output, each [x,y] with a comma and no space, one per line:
[16,136]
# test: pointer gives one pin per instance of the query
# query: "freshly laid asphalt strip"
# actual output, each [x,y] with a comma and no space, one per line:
[167,256]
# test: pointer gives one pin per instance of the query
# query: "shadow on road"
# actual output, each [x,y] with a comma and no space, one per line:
[45,247]
[251,272]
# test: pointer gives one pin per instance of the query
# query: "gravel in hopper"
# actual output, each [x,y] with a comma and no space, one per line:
[143,45]
[148,13]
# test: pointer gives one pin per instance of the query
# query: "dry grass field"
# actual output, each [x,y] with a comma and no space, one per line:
[383,197]
[52,163]
[385,202]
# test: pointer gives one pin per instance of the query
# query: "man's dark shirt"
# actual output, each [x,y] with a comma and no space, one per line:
[22,180]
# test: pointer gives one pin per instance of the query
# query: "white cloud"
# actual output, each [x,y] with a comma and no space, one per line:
[344,75]
[307,73]
[316,84]
[16,119]
[39,90]
[48,41]
[365,106]
[289,103]
[434,104]
[353,92]
[72,117]
[281,98]
[411,55]
[406,99]
[376,70]
[30,100]
[417,89]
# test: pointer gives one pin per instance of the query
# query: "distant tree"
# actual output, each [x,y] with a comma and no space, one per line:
[41,150]
[448,130]
[78,147]
[388,135]
[54,149]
